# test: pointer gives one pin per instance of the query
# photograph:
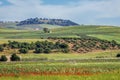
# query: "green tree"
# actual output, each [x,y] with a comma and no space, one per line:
[104,47]
[46,30]
[113,43]
[13,44]
[3,58]
[47,50]
[14,57]
[63,45]
[39,50]
[23,50]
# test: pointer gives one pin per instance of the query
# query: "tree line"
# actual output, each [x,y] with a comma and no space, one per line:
[36,47]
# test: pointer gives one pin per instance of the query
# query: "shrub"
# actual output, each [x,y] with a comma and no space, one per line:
[23,50]
[118,55]
[63,46]
[47,50]
[1,49]
[3,58]
[4,45]
[39,50]
[103,47]
[14,57]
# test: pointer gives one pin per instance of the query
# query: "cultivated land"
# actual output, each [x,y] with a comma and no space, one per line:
[102,32]
[97,65]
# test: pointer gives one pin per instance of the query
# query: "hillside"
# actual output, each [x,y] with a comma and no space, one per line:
[59,22]
[102,32]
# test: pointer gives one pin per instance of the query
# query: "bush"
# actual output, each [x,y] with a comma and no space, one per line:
[63,46]
[39,50]
[1,49]
[3,58]
[47,50]
[23,50]
[118,55]
[103,47]
[14,57]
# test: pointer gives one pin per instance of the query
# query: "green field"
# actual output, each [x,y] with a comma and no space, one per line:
[59,66]
[97,65]
[60,71]
[70,56]
[102,32]
[111,76]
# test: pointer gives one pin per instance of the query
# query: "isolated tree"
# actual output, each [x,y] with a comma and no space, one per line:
[46,30]
[3,58]
[14,57]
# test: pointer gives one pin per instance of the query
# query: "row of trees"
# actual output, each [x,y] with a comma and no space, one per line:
[79,45]
[37,47]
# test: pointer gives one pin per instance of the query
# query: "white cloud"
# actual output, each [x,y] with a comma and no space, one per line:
[83,12]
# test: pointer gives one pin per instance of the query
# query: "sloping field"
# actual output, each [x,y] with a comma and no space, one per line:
[102,32]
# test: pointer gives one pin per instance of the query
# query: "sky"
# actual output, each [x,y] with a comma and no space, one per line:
[91,12]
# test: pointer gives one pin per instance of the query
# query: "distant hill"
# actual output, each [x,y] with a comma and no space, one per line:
[36,23]
[59,22]
[101,32]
